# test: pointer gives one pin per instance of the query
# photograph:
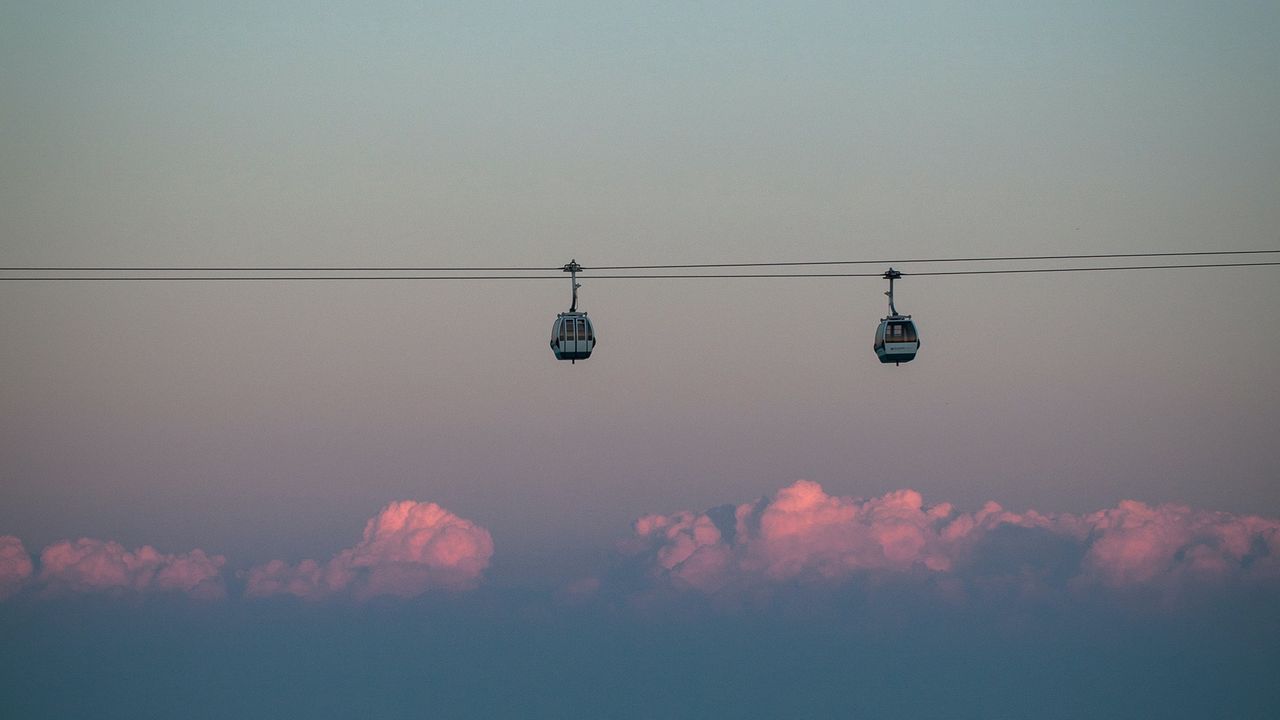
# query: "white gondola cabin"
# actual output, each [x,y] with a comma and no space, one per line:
[572,336]
[897,340]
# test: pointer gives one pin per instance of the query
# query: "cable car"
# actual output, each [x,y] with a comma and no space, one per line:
[897,340]
[572,336]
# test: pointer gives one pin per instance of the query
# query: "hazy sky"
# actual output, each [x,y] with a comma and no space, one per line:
[270,421]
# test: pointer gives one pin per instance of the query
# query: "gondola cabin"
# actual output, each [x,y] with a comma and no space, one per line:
[897,340]
[572,337]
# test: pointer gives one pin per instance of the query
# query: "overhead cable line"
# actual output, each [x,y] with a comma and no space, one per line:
[307,268]
[1009,258]
[1015,271]
[629,276]
[675,266]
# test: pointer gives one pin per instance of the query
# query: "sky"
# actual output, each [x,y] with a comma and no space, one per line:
[731,507]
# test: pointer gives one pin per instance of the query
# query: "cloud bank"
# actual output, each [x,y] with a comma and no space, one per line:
[799,537]
[408,548]
[802,535]
[89,565]
[15,565]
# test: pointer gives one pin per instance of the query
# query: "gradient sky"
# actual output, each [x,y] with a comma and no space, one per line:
[269,421]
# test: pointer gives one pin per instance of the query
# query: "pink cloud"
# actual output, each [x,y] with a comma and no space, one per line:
[408,548]
[802,534]
[1136,544]
[89,565]
[15,565]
